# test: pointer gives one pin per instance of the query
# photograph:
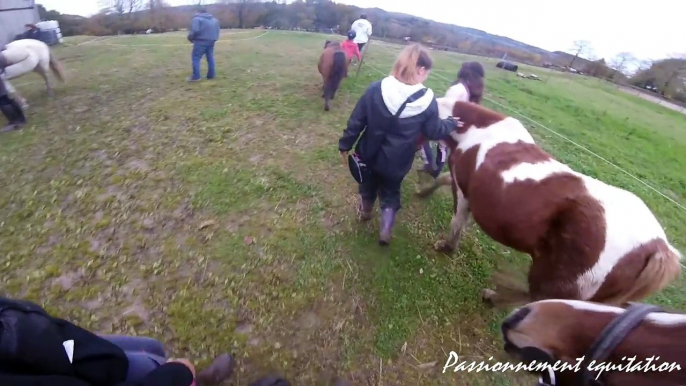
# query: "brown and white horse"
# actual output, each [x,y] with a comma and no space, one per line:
[333,65]
[570,331]
[587,240]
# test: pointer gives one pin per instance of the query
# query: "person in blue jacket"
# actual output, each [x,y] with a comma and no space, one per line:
[387,121]
[203,34]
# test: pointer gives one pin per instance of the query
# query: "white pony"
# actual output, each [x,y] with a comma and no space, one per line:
[28,55]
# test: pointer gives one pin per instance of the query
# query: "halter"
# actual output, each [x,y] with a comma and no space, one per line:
[611,336]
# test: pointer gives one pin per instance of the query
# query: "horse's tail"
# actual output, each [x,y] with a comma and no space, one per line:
[56,67]
[338,72]
[663,267]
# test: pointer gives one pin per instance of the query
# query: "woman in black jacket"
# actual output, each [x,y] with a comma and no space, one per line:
[388,120]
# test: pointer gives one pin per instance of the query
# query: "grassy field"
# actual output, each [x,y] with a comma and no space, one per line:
[216,216]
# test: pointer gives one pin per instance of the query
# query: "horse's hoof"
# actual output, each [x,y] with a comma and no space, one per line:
[443,246]
[487,295]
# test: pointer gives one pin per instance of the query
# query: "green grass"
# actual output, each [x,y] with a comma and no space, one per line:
[216,216]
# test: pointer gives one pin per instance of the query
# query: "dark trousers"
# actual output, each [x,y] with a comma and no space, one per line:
[200,49]
[387,189]
[360,46]
[144,355]
[433,165]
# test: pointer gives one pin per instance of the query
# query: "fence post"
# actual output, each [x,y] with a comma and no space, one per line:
[364,53]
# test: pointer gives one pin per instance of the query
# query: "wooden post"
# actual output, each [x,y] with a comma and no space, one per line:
[364,53]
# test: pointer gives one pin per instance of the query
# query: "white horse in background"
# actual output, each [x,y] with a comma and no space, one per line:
[28,55]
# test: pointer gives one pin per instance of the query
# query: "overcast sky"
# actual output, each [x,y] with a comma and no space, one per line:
[649,29]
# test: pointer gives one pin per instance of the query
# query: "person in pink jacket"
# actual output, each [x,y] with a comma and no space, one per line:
[350,47]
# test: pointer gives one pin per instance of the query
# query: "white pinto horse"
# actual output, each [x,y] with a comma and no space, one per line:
[28,55]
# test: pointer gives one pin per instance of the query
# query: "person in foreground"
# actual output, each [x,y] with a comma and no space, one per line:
[203,34]
[9,107]
[388,120]
[40,350]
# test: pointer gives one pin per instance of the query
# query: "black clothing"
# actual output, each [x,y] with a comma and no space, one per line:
[388,146]
[387,189]
[39,350]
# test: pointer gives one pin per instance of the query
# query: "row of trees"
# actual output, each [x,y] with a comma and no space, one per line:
[135,16]
[666,76]
[129,16]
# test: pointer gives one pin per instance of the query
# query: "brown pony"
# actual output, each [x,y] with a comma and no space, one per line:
[333,65]
[620,342]
[587,240]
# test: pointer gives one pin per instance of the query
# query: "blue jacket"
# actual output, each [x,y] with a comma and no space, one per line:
[204,28]
[387,145]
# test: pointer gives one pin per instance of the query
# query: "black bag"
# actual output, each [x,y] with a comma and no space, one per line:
[358,167]
[33,343]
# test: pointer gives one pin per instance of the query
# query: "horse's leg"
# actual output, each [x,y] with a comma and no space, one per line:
[544,282]
[458,223]
[510,292]
[44,73]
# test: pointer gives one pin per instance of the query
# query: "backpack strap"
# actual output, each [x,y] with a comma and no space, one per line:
[417,95]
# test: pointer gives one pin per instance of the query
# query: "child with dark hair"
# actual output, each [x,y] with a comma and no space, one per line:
[469,86]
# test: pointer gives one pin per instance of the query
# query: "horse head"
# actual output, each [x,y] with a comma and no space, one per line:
[572,333]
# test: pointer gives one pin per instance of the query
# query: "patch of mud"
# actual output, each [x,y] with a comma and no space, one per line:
[111,191]
[244,328]
[138,165]
[138,309]
[148,223]
[309,320]
[67,280]
[92,305]
[256,158]
[48,246]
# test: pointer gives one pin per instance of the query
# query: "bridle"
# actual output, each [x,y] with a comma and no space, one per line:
[612,335]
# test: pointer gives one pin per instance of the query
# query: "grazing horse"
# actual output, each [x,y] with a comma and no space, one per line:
[28,55]
[333,65]
[621,342]
[587,240]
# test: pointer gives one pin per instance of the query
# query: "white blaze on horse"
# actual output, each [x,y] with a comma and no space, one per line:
[587,240]
[621,342]
[28,55]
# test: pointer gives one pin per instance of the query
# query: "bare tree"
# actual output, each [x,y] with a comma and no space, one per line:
[116,6]
[134,5]
[676,69]
[581,47]
[620,62]
[243,8]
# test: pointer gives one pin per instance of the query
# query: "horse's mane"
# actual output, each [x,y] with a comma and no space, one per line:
[331,44]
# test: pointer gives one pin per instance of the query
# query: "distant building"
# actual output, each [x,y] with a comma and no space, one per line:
[14,15]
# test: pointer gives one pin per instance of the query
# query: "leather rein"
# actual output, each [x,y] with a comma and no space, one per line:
[612,335]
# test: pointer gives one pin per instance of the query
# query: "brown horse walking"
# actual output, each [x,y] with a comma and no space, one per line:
[333,65]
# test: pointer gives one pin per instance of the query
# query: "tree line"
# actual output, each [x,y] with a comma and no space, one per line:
[137,16]
[666,77]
